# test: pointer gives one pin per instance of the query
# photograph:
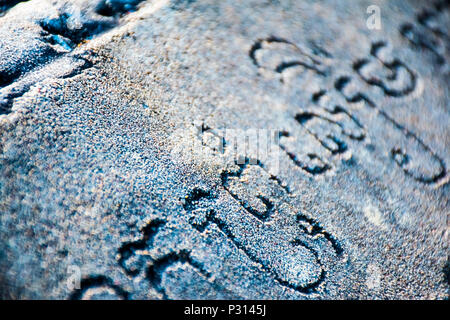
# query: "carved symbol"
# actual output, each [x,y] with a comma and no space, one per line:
[327,122]
[331,124]
[135,259]
[278,55]
[294,262]
[390,74]
[99,286]
[408,151]
[430,32]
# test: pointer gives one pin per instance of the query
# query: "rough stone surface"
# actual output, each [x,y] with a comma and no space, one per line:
[110,118]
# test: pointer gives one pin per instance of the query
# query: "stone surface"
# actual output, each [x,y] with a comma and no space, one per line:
[113,116]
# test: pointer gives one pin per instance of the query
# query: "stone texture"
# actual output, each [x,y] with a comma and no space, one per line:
[112,119]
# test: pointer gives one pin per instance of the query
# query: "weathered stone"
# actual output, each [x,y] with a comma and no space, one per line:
[117,150]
